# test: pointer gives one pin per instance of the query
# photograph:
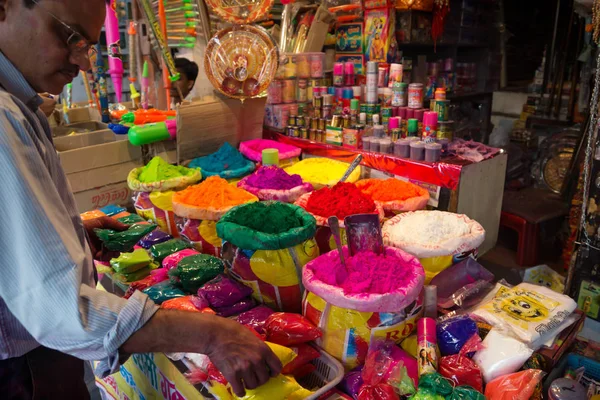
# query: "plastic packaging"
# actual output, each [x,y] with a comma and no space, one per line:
[528,311]
[172,260]
[255,318]
[136,275]
[237,308]
[463,284]
[223,291]
[305,354]
[461,369]
[163,291]
[465,393]
[202,234]
[123,241]
[352,382]
[517,386]
[289,329]
[131,219]
[453,333]
[501,355]
[378,366]
[154,237]
[184,303]
[127,263]
[160,251]
[194,271]
[435,384]
[278,388]
[157,207]
[142,284]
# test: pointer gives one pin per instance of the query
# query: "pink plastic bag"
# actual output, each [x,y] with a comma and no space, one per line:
[172,260]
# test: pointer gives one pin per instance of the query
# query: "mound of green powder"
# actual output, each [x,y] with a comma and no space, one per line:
[273,218]
[159,170]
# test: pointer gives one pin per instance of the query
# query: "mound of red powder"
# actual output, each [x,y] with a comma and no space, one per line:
[341,200]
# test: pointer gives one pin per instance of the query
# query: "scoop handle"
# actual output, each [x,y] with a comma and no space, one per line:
[334,225]
[352,167]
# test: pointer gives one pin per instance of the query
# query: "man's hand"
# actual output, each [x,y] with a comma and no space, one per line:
[94,242]
[242,358]
[49,104]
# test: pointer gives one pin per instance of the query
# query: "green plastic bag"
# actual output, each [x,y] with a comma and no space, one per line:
[465,393]
[194,271]
[163,291]
[124,241]
[436,384]
[135,276]
[128,263]
[131,219]
[164,249]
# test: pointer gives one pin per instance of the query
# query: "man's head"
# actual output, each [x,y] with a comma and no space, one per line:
[34,35]
[188,71]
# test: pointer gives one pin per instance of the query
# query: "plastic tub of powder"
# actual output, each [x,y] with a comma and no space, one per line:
[227,163]
[252,149]
[385,146]
[402,148]
[270,244]
[273,183]
[433,152]
[373,296]
[417,150]
[153,186]
[367,143]
[375,144]
[438,238]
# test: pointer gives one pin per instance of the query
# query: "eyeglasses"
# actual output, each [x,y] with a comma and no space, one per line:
[77,44]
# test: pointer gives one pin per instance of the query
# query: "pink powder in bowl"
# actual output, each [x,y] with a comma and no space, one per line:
[369,282]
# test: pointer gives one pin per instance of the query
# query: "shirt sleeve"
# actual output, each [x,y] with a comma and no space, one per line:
[44,263]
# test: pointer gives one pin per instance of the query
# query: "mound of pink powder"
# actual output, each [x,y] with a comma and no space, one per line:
[365,272]
[273,178]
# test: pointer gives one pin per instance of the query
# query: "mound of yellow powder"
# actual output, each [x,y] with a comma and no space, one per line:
[322,172]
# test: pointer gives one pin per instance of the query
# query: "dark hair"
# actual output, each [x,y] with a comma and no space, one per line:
[30,3]
[189,68]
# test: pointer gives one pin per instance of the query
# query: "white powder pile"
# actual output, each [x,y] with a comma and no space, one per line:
[428,227]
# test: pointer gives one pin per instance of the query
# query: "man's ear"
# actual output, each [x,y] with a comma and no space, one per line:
[3,8]
[190,83]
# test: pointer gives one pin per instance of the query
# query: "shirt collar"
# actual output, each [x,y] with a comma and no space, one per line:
[15,83]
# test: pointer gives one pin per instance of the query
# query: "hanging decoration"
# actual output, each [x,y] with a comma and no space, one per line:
[240,11]
[240,61]
[441,8]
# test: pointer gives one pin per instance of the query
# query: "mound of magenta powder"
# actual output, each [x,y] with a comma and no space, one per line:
[364,273]
[273,178]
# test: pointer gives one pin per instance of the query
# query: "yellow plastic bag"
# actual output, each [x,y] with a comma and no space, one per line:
[278,388]
[285,355]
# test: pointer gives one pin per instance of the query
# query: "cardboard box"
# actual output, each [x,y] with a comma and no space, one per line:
[97,165]
[318,30]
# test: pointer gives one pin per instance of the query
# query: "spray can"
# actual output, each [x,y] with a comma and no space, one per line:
[395,74]
[327,106]
[430,123]
[412,128]
[372,82]
[349,74]
[338,74]
[354,110]
[426,335]
[347,96]
[394,128]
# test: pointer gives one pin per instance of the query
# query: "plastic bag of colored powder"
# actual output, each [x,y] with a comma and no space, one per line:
[224,292]
[270,243]
[435,383]
[288,329]
[517,386]
[194,271]
[125,240]
[227,163]
[184,304]
[127,263]
[465,393]
[131,219]
[273,183]
[112,209]
[461,369]
[305,354]
[163,291]
[136,275]
[172,260]
[255,318]
[88,215]
[278,388]
[155,277]
[453,333]
[160,251]
[160,176]
[154,237]
[300,394]
[352,382]
[237,308]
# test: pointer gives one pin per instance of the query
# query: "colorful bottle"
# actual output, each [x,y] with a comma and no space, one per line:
[412,128]
[426,334]
[151,133]
[338,74]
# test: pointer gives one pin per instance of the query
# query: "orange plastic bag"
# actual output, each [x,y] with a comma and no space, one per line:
[517,386]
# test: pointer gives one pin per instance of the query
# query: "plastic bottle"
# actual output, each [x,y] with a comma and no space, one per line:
[426,335]
[153,132]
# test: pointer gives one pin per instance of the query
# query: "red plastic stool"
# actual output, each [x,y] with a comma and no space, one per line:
[527,249]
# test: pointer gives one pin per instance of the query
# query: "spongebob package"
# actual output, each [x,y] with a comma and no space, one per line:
[529,312]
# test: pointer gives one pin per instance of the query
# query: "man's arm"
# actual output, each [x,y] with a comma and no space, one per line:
[44,262]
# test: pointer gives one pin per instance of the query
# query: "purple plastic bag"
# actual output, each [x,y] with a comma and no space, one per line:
[235,309]
[463,284]
[199,302]
[255,318]
[172,260]
[153,238]
[223,291]
[351,382]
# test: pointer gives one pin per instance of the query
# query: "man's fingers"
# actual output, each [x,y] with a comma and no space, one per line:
[250,380]
[273,363]
[262,373]
[111,223]
[237,384]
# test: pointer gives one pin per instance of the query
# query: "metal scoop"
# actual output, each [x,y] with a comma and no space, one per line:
[352,167]
[363,233]
[334,225]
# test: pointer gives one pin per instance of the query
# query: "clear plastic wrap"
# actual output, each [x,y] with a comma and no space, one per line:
[289,329]
[223,291]
[125,240]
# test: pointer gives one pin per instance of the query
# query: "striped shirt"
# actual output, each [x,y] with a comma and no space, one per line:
[47,287]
